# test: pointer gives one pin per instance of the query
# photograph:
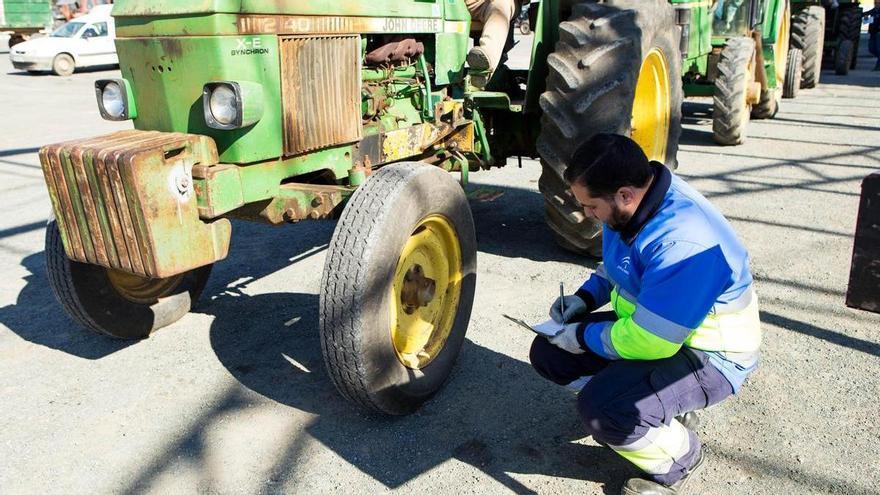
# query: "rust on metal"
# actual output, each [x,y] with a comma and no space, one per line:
[398,49]
[417,291]
[321,94]
[294,24]
[124,201]
[296,202]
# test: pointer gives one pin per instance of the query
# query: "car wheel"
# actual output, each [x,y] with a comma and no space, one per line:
[63,65]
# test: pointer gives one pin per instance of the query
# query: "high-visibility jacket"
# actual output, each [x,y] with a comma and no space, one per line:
[675,275]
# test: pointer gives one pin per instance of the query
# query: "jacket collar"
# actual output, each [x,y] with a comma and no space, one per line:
[650,203]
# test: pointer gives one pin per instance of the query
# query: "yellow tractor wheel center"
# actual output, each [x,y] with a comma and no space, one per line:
[425,292]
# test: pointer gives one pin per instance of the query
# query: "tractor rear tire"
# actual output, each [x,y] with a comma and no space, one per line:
[808,34]
[793,73]
[843,57]
[731,109]
[389,345]
[603,54]
[94,298]
[15,39]
[768,106]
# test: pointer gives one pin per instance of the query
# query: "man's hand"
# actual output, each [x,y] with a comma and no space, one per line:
[575,308]
[567,340]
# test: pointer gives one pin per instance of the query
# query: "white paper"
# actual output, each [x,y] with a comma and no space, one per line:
[548,329]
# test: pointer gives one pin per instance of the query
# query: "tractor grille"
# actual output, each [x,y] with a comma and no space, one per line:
[321,91]
[107,192]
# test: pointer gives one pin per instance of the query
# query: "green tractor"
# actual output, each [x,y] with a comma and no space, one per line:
[744,53]
[828,34]
[22,18]
[284,112]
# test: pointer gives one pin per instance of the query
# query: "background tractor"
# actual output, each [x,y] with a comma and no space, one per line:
[284,112]
[828,32]
[22,18]
[742,52]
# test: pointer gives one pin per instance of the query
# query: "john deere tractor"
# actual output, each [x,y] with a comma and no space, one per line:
[286,112]
[828,34]
[743,52]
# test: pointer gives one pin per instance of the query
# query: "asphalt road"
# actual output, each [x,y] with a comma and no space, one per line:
[234,398]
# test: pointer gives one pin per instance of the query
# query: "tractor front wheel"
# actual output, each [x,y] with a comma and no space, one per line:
[398,287]
[730,104]
[793,73]
[843,57]
[616,68]
[115,303]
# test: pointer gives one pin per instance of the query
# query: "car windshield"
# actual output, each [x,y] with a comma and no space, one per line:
[68,30]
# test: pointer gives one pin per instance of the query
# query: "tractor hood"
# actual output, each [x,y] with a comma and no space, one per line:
[372,8]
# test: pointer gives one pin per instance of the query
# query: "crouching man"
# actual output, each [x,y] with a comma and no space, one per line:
[683,331]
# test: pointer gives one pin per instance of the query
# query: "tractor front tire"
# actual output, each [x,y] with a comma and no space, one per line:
[793,73]
[808,34]
[731,109]
[615,69]
[398,288]
[116,304]
[843,57]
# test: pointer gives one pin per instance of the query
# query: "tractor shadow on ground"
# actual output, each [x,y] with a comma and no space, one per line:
[37,317]
[697,113]
[495,413]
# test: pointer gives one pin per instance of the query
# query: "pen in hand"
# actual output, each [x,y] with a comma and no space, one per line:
[562,301]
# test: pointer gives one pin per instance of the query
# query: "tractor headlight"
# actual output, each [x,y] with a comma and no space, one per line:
[231,104]
[115,100]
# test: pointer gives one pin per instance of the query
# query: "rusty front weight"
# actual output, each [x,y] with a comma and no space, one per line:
[126,201]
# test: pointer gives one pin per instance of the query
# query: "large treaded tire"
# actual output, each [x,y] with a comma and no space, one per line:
[849,28]
[793,73]
[808,34]
[356,303]
[730,109]
[768,105]
[591,88]
[88,297]
[843,57]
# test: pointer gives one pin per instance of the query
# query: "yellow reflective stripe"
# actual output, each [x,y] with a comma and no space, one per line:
[730,332]
[631,341]
[659,450]
[621,305]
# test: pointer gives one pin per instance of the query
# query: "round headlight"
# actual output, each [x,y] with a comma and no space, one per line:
[112,100]
[223,106]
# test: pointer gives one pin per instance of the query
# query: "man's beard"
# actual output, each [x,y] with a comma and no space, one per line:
[619,218]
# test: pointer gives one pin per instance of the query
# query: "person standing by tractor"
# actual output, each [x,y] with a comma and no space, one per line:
[873,29]
[496,16]
[684,331]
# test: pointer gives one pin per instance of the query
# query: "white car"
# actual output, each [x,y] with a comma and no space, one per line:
[85,41]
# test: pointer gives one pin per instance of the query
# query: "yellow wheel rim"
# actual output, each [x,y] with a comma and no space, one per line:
[142,290]
[781,46]
[426,291]
[651,107]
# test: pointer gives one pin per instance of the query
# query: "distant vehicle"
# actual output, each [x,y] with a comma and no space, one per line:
[85,41]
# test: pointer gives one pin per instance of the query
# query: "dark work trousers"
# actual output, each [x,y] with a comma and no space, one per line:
[631,405]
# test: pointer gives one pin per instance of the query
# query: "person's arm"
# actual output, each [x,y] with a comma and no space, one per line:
[680,285]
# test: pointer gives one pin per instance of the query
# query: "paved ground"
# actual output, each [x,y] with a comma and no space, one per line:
[234,397]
